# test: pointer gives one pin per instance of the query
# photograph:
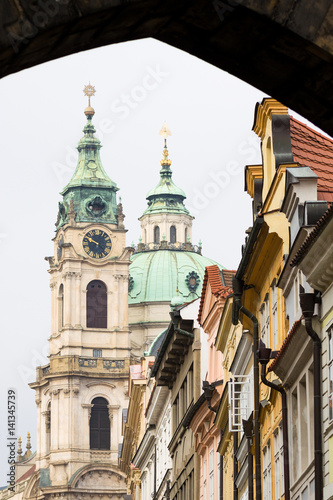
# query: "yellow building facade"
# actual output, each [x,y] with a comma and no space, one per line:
[259,270]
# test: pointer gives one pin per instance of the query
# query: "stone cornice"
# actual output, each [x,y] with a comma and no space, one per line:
[264,111]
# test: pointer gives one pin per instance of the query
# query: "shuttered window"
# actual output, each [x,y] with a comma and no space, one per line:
[96,305]
[173,234]
[99,425]
[156,235]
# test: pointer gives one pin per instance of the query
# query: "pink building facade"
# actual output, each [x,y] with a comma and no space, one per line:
[216,287]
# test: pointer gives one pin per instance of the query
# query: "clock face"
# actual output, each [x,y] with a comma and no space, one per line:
[97,244]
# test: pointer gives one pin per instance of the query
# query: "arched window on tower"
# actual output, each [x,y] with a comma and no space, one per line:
[186,235]
[156,235]
[173,234]
[48,428]
[96,305]
[61,306]
[99,425]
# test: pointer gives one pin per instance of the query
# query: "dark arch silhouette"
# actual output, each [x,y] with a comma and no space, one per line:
[285,51]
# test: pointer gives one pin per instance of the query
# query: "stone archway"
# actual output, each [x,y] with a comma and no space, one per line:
[284,49]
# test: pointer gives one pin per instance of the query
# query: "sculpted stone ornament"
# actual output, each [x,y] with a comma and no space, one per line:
[130,283]
[71,212]
[192,281]
[120,215]
[62,212]
[96,206]
[98,480]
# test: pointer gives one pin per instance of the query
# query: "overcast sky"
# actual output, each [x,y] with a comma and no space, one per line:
[138,86]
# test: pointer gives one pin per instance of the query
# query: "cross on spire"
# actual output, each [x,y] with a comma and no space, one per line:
[89,90]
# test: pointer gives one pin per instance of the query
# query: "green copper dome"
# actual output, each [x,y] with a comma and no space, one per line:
[90,195]
[157,275]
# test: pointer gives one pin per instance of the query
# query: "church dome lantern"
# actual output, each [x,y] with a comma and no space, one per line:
[165,260]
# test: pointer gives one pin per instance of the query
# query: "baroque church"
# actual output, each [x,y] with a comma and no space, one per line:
[110,305]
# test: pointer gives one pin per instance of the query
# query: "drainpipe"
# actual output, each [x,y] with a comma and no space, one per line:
[248,430]
[208,390]
[264,357]
[235,439]
[307,302]
[167,492]
[238,286]
[155,462]
[221,472]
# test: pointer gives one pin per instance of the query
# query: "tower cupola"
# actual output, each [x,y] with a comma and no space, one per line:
[166,218]
[90,193]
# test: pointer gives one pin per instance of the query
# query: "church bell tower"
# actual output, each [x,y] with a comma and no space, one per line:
[82,392]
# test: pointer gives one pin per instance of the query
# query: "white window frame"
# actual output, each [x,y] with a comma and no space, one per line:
[330,373]
[275,323]
[240,400]
[211,474]
[278,462]
[219,476]
[205,479]
[298,282]
[265,321]
[300,402]
[245,495]
[281,459]
[267,472]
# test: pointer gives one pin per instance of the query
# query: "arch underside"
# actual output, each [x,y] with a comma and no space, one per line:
[282,48]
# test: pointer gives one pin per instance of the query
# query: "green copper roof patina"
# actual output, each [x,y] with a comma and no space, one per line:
[153,349]
[90,193]
[166,196]
[156,275]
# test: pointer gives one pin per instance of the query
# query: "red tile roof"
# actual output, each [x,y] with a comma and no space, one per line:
[220,285]
[227,277]
[27,474]
[284,346]
[314,150]
[311,237]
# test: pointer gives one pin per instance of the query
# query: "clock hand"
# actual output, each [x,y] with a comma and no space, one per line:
[92,241]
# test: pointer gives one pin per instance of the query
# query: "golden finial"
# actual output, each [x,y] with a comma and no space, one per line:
[19,447]
[28,452]
[164,132]
[28,441]
[89,90]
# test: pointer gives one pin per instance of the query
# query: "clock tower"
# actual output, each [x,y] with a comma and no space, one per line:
[82,392]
